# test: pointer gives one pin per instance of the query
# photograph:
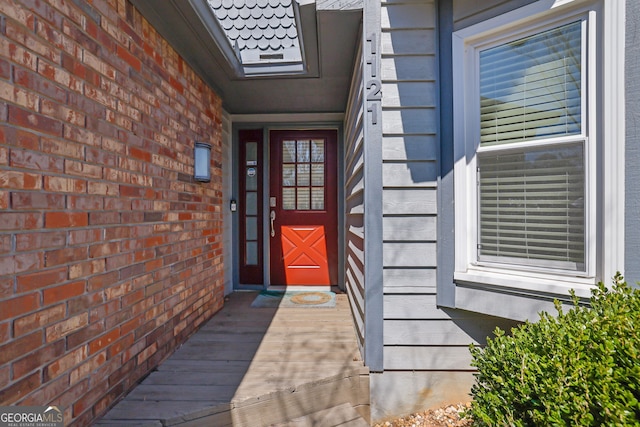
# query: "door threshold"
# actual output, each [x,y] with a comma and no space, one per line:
[301,288]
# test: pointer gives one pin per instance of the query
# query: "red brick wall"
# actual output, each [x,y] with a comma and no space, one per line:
[110,254]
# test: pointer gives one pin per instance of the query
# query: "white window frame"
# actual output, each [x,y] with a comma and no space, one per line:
[603,131]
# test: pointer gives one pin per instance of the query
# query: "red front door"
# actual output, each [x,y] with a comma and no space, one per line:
[303,215]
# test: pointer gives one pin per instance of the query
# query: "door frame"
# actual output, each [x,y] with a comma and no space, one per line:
[266,127]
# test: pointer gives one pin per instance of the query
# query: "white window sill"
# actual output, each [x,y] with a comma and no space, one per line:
[514,294]
[528,282]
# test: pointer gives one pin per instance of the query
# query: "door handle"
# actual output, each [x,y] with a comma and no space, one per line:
[273,218]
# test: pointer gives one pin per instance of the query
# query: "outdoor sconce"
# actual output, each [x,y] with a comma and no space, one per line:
[202,162]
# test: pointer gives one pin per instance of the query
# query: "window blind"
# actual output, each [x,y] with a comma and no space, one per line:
[532,207]
[531,88]
[531,199]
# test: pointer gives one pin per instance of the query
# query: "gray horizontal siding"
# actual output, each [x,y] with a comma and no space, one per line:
[418,335]
[409,228]
[415,147]
[409,254]
[411,42]
[410,147]
[409,281]
[408,68]
[409,94]
[397,15]
[410,121]
[410,174]
[354,203]
[432,333]
[433,358]
[469,12]
[632,152]
[414,307]
[420,201]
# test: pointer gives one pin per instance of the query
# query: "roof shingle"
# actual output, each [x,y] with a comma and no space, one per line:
[266,25]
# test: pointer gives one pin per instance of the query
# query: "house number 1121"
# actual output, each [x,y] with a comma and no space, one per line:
[374,86]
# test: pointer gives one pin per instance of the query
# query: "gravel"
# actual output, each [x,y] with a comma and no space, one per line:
[447,416]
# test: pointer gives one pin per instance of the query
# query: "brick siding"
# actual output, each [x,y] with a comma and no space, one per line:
[110,253]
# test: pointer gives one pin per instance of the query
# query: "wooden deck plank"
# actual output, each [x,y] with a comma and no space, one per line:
[338,416]
[275,355]
[297,403]
[135,412]
[241,367]
[308,344]
[255,375]
[277,359]
[339,338]
[250,364]
[211,394]
[190,377]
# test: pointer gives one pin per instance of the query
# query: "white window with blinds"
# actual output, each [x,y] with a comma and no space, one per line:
[531,154]
[534,132]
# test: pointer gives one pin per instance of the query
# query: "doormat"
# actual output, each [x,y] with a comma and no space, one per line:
[295,299]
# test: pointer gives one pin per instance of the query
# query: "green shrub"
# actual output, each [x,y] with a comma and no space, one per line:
[579,368]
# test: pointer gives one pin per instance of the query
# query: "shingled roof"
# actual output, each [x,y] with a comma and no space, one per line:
[262,33]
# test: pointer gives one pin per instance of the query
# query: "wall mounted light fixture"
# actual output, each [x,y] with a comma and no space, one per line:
[202,162]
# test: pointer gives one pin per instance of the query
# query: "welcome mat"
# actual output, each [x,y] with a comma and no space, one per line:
[295,299]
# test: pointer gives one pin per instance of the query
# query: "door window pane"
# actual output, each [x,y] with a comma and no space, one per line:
[317,175]
[304,153]
[303,199]
[252,253]
[289,151]
[303,174]
[252,203]
[251,151]
[317,150]
[251,229]
[289,199]
[317,198]
[289,175]
[303,168]
[252,179]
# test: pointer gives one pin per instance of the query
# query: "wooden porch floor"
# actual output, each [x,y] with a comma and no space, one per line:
[254,367]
